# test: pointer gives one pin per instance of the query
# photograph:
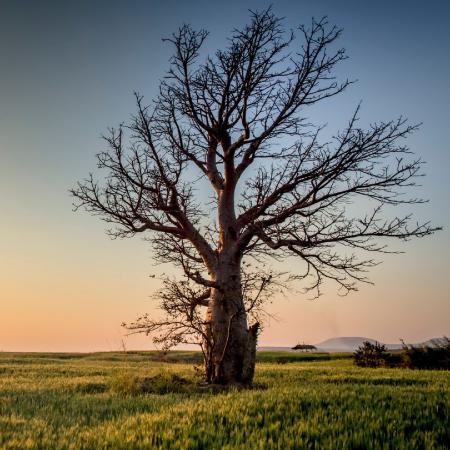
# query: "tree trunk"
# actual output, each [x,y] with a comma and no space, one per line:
[231,345]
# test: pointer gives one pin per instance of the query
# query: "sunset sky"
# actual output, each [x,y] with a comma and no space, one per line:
[68,70]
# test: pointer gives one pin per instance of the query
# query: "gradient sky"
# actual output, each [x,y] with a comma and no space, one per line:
[67,72]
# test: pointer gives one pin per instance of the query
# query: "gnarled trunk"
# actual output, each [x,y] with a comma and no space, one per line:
[231,345]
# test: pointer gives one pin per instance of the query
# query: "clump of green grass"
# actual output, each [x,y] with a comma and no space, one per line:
[129,383]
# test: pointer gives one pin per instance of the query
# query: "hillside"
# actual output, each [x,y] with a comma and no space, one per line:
[342,344]
[350,344]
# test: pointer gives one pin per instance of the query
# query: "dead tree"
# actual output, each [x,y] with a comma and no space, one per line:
[236,121]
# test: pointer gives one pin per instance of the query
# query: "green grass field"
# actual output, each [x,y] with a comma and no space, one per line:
[302,401]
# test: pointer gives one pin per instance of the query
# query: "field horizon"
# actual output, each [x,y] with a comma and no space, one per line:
[336,344]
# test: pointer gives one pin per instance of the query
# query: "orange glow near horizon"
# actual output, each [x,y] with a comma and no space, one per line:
[77,297]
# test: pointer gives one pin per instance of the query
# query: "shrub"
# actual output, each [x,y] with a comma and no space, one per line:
[435,356]
[394,359]
[371,355]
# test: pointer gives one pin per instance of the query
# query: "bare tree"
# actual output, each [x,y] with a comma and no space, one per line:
[235,122]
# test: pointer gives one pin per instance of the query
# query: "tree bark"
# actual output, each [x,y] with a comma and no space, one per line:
[231,345]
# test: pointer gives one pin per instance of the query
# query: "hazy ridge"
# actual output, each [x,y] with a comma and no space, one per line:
[349,344]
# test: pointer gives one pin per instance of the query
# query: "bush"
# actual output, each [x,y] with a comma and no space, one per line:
[435,356]
[371,355]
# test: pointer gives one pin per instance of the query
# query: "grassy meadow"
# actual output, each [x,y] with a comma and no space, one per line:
[64,401]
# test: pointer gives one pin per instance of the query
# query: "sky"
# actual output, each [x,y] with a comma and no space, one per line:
[67,73]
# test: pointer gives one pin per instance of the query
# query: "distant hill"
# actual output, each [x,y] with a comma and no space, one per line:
[343,344]
[433,341]
[350,344]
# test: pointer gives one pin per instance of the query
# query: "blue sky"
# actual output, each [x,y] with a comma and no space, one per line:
[68,70]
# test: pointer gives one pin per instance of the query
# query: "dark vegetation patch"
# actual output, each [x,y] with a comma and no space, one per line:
[436,356]
[371,355]
[431,357]
[92,388]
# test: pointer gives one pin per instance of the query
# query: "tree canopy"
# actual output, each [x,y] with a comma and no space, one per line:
[235,123]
